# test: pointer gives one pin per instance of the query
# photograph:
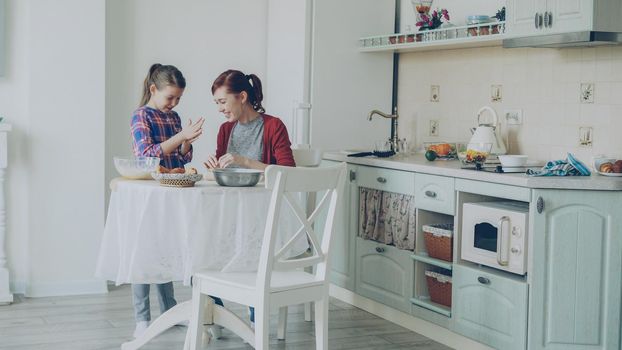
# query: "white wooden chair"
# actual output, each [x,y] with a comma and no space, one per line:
[304,157]
[279,282]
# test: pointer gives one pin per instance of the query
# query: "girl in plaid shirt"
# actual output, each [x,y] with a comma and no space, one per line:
[156,128]
[157,132]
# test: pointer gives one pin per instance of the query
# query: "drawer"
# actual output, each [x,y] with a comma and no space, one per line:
[435,193]
[386,179]
[490,308]
[384,274]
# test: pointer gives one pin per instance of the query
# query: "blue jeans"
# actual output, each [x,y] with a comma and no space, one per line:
[140,296]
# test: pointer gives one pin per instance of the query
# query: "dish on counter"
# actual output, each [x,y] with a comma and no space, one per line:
[443,150]
[512,160]
[608,166]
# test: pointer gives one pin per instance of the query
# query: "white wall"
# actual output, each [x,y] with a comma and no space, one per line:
[53,94]
[544,83]
[201,38]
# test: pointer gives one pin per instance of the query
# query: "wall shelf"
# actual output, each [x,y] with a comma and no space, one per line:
[480,35]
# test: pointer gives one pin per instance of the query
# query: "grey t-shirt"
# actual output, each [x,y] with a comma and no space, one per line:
[247,140]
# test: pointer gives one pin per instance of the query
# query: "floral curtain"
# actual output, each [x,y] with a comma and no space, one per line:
[387,217]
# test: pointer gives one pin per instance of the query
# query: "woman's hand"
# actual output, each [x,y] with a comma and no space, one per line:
[192,131]
[212,162]
[230,158]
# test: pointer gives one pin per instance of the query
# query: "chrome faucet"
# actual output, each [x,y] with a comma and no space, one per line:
[394,139]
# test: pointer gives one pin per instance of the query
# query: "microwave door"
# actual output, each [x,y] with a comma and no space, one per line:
[485,237]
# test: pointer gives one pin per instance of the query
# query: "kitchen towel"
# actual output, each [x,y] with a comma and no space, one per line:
[569,167]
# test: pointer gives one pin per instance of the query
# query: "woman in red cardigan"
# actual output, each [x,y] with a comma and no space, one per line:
[249,138]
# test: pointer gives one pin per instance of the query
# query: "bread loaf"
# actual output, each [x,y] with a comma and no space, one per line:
[606,168]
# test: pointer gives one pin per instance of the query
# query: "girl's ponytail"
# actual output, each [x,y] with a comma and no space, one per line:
[161,76]
[257,95]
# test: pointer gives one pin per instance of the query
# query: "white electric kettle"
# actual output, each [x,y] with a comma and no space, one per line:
[488,133]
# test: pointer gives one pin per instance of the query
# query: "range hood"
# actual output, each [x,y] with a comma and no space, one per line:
[573,39]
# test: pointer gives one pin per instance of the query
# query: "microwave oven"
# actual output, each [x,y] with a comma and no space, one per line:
[496,234]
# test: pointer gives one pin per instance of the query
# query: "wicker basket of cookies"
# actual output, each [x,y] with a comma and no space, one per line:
[177,177]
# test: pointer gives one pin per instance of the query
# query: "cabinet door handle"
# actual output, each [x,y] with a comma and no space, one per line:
[352,175]
[550,19]
[379,250]
[381,179]
[483,280]
[546,19]
[430,194]
[536,20]
[540,205]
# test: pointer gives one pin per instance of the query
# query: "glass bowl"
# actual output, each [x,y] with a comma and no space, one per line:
[136,167]
[475,153]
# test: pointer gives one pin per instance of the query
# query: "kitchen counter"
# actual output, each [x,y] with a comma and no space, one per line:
[452,168]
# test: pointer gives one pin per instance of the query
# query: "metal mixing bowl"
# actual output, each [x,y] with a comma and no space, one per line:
[236,177]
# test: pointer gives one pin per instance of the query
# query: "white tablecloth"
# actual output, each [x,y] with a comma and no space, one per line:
[156,234]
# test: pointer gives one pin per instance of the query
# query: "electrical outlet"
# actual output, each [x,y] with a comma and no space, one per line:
[587,93]
[495,93]
[514,116]
[435,93]
[586,136]
[433,128]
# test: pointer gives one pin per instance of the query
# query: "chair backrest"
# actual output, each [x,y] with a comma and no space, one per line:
[307,157]
[286,183]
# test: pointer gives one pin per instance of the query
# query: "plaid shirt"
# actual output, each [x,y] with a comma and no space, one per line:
[149,128]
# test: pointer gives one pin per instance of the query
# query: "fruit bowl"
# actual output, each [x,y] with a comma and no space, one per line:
[443,150]
[475,153]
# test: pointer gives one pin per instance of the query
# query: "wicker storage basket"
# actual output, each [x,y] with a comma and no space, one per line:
[177,180]
[438,240]
[439,287]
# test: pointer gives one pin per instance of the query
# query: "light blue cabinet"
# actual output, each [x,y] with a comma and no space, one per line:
[342,249]
[384,273]
[490,308]
[575,293]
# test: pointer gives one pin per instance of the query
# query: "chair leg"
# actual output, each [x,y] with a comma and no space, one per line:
[197,317]
[321,324]
[262,327]
[308,311]
[282,328]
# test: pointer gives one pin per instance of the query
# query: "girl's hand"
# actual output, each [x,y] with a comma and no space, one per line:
[212,162]
[230,158]
[192,131]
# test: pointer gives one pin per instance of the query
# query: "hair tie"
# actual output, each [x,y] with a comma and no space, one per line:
[249,79]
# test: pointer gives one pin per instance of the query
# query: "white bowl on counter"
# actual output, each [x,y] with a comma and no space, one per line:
[512,160]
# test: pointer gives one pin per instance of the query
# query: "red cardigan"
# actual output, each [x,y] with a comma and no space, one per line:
[276,145]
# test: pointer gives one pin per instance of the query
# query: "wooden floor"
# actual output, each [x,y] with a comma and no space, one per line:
[98,322]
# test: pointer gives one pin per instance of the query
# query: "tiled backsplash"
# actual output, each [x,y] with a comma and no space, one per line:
[544,83]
